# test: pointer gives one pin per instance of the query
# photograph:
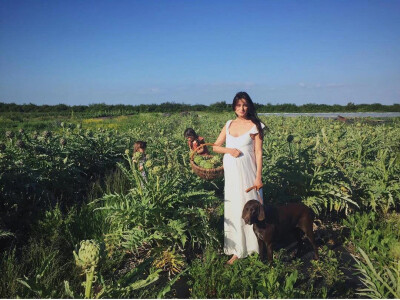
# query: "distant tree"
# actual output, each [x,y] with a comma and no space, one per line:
[270,108]
[351,106]
[102,109]
[219,106]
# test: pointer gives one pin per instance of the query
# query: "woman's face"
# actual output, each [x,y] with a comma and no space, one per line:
[190,138]
[140,150]
[241,108]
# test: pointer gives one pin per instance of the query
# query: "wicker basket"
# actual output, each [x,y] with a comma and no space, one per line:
[207,174]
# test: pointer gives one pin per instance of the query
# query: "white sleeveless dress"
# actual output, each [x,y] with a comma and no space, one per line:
[240,174]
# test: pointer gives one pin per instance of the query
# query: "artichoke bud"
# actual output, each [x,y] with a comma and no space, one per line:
[148,164]
[46,134]
[137,155]
[157,170]
[20,144]
[88,255]
[9,134]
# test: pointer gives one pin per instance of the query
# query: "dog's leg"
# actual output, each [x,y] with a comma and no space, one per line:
[310,235]
[261,249]
[270,253]
[299,237]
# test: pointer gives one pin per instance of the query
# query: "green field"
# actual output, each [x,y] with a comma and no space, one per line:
[69,179]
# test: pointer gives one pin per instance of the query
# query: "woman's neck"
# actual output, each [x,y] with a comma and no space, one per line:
[242,119]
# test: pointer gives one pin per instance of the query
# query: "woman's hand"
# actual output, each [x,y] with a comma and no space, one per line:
[235,152]
[258,183]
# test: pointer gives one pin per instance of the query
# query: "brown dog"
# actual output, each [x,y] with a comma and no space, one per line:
[271,223]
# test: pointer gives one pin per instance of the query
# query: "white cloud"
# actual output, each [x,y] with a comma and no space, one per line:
[319,85]
[149,91]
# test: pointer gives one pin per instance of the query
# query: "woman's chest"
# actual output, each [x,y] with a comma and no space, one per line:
[241,141]
[239,129]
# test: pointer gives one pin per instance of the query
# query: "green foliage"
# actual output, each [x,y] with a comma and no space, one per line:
[158,210]
[10,270]
[376,240]
[326,277]
[155,222]
[379,282]
[44,170]
[42,270]
[246,278]
[332,168]
[374,234]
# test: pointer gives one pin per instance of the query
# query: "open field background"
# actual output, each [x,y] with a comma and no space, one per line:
[66,179]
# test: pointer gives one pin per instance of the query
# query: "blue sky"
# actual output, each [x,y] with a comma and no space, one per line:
[134,52]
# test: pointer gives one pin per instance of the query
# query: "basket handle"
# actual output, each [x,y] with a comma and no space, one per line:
[199,147]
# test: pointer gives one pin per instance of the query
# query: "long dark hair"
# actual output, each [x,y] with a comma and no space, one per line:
[251,111]
[189,132]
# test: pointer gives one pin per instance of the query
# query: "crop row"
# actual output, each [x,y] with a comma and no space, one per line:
[148,231]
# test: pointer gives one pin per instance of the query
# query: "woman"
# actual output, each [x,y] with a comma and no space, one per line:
[242,169]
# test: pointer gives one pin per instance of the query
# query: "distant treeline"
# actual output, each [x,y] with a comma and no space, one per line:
[170,107]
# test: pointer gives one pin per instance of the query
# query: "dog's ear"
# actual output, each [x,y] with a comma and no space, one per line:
[261,213]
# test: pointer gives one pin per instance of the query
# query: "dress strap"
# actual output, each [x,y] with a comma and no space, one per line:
[227,126]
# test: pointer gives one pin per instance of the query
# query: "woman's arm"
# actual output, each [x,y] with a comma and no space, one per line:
[258,152]
[220,141]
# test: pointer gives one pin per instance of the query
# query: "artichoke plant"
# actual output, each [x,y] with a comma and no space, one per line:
[87,259]
[88,255]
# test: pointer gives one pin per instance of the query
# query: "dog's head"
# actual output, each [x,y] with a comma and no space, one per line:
[253,211]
